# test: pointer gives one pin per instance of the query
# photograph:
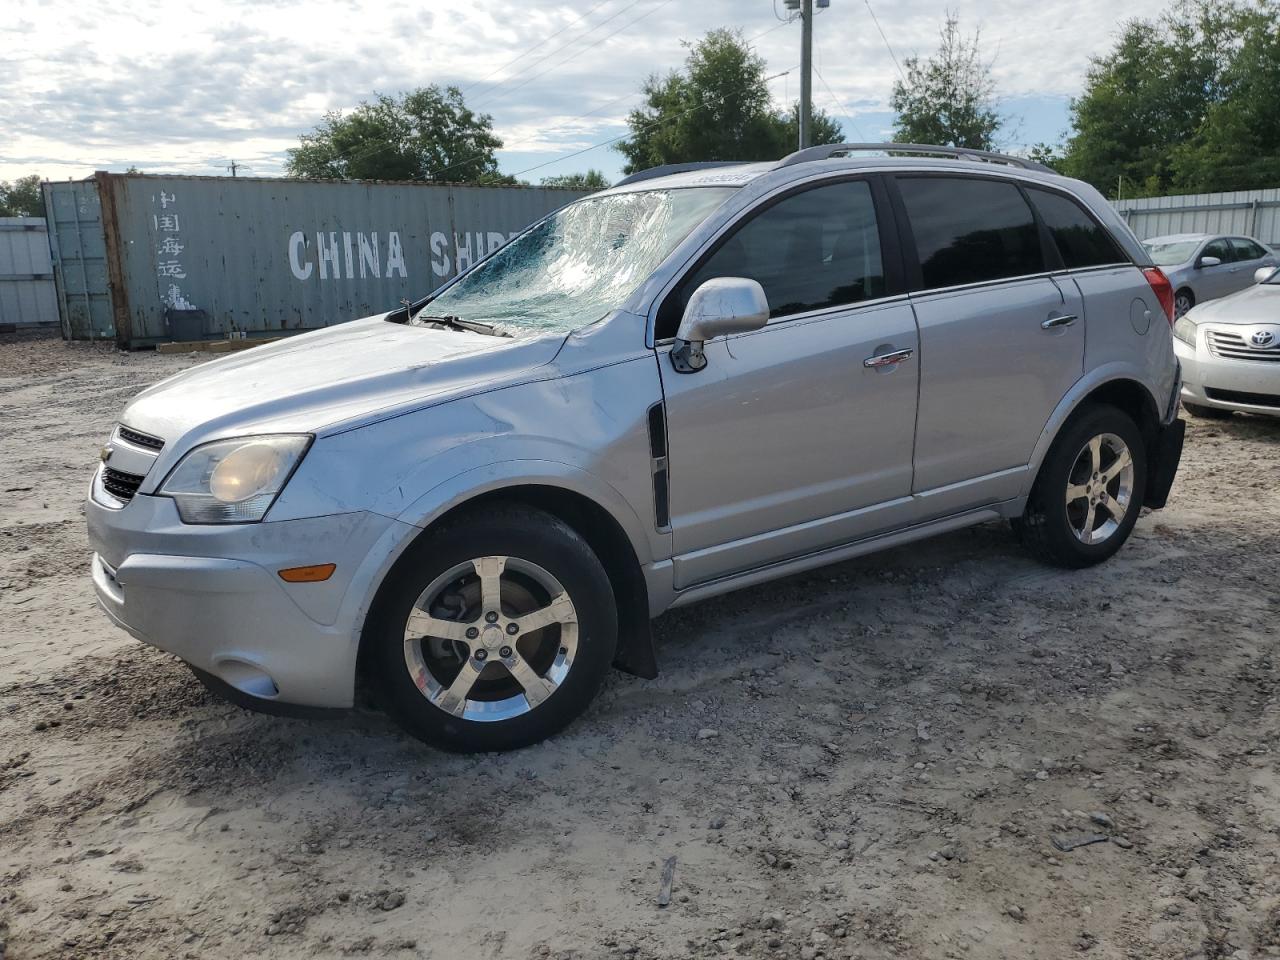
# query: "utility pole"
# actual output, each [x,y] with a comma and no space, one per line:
[805,8]
[234,166]
[806,73]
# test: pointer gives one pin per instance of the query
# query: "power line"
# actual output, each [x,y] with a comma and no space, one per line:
[840,104]
[653,123]
[541,43]
[887,46]
[506,92]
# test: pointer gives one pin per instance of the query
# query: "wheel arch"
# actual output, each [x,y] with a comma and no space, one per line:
[603,532]
[1121,390]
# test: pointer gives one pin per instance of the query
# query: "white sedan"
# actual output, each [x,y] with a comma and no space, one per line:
[1230,351]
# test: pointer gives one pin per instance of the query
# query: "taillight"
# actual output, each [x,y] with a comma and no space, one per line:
[1162,288]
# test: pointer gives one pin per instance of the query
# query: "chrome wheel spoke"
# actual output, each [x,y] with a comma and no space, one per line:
[489,569]
[1090,518]
[536,688]
[453,698]
[1095,455]
[1109,504]
[1077,491]
[1123,461]
[421,624]
[559,610]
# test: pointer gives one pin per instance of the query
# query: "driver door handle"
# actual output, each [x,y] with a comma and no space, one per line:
[1066,320]
[888,359]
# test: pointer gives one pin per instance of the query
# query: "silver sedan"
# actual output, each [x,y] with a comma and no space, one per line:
[1208,266]
[1230,351]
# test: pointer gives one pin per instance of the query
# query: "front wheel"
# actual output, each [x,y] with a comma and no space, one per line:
[1183,301]
[1089,492]
[493,632]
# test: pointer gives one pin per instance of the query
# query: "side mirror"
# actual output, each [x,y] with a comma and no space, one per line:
[1208,262]
[1263,274]
[720,306]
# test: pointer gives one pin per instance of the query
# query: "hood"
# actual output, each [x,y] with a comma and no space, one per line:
[1257,304]
[330,380]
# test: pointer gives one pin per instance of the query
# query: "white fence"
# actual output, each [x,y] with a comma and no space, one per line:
[1254,213]
[27,295]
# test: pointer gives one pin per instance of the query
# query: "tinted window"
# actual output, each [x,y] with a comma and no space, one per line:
[1220,249]
[1081,240]
[816,249]
[1248,250]
[970,230]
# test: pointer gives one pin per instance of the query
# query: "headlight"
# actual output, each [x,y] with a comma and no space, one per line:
[233,481]
[1185,330]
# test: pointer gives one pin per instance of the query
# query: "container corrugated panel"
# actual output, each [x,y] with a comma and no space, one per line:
[266,256]
[27,295]
[1254,213]
[77,246]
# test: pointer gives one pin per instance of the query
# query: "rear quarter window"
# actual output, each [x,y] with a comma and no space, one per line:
[1082,241]
[970,230]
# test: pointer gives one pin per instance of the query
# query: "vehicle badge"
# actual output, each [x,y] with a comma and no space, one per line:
[105,453]
[1263,338]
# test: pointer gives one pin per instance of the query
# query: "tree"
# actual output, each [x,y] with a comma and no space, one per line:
[591,180]
[718,108]
[21,198]
[1182,103]
[949,99]
[427,134]
[1047,154]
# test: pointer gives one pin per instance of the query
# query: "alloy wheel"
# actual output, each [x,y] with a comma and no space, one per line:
[1099,489]
[491,639]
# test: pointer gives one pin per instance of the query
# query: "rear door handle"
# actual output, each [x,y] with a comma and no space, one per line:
[888,359]
[1066,320]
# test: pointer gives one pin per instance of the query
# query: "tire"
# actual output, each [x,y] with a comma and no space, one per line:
[1183,301]
[1054,523]
[1206,413]
[475,685]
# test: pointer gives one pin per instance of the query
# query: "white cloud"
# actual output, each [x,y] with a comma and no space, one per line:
[186,87]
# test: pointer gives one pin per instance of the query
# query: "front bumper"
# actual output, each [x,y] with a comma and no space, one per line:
[212,596]
[1228,384]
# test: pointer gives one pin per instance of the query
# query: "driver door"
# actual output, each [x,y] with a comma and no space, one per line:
[794,437]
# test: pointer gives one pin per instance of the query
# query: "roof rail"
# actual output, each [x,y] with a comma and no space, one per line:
[669,168]
[827,151]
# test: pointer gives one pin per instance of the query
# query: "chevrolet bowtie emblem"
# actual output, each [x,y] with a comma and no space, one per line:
[105,453]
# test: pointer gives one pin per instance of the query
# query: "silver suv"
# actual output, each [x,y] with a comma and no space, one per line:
[699,380]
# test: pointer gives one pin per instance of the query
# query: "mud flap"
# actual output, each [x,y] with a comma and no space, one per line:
[1166,454]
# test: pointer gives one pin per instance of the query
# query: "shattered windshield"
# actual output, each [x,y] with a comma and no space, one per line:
[577,265]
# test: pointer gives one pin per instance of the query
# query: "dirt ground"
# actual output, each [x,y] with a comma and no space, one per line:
[869,761]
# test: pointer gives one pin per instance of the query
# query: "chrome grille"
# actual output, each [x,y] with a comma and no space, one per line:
[1235,346]
[139,439]
[119,484]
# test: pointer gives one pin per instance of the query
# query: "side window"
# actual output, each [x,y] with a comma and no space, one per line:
[811,250]
[1220,249]
[1082,241]
[970,230]
[1247,249]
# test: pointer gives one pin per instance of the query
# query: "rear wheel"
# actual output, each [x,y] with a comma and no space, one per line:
[1088,494]
[493,632]
[1206,413]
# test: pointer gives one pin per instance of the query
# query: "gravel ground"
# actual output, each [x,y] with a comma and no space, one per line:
[873,760]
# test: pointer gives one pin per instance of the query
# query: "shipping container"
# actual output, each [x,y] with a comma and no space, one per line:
[26,275]
[1254,213]
[147,259]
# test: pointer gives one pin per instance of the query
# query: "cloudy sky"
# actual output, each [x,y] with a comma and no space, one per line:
[170,86]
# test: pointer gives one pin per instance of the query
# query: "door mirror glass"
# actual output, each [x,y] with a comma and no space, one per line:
[720,306]
[1263,274]
[1209,262]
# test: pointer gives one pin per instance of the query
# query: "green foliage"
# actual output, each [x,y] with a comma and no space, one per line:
[949,99]
[427,134]
[1047,154]
[21,198]
[1183,104]
[591,180]
[718,108]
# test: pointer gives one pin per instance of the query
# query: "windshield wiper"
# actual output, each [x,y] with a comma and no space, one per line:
[449,320]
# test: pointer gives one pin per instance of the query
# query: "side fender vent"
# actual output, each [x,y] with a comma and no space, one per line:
[658,465]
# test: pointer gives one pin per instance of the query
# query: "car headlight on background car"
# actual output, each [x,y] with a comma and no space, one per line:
[233,481]
[1185,330]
